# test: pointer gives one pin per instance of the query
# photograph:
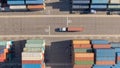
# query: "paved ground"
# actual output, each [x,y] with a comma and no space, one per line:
[57,43]
[47,25]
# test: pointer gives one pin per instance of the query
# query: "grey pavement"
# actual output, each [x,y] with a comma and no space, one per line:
[40,25]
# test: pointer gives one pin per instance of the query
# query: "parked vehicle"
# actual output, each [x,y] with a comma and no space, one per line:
[70,29]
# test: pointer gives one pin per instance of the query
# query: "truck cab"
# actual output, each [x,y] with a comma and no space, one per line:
[63,29]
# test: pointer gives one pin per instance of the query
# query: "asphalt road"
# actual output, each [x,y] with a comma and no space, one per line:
[47,25]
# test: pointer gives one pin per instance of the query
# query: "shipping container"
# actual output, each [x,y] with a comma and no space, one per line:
[16,2]
[32,7]
[34,2]
[115,44]
[84,62]
[105,62]
[105,52]
[100,1]
[18,7]
[84,54]
[82,66]
[42,42]
[99,42]
[114,1]
[80,1]
[34,49]
[84,58]
[105,58]
[32,61]
[82,46]
[31,66]
[83,50]
[80,41]
[101,46]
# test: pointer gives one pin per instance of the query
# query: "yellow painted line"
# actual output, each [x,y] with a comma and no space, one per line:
[59,36]
[32,16]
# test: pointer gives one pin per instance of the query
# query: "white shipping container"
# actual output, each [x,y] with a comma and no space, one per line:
[32,54]
[115,1]
[18,7]
[32,58]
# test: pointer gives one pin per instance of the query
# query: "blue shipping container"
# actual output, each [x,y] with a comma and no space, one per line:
[115,44]
[105,58]
[105,52]
[34,1]
[98,6]
[102,66]
[31,66]
[100,1]
[18,2]
[99,42]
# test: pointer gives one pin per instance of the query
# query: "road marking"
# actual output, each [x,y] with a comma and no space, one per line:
[32,16]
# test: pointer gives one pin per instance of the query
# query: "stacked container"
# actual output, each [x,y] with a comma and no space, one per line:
[83,56]
[100,44]
[17,4]
[80,4]
[105,56]
[23,4]
[33,54]
[99,4]
[4,51]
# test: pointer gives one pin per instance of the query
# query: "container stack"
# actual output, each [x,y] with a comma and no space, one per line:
[114,4]
[80,4]
[33,54]
[17,4]
[9,5]
[105,56]
[99,4]
[100,44]
[83,56]
[4,51]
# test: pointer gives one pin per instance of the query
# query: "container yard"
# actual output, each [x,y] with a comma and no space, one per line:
[101,54]
[97,5]
[22,5]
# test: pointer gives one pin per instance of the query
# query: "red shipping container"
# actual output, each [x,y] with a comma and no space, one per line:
[82,66]
[118,58]
[84,58]
[82,46]
[105,62]
[32,61]
[101,46]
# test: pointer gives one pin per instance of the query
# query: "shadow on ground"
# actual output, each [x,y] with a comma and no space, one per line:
[62,5]
[59,54]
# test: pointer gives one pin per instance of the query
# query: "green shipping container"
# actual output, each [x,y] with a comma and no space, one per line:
[35,45]
[3,43]
[82,50]
[36,42]
[114,6]
[84,62]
